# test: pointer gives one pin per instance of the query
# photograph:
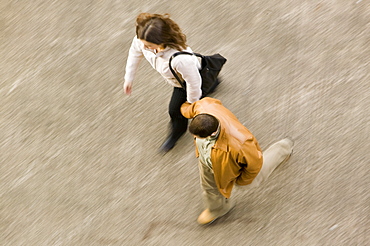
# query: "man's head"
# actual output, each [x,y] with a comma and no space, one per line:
[203,125]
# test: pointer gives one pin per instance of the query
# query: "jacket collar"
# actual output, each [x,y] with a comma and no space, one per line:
[159,54]
[222,140]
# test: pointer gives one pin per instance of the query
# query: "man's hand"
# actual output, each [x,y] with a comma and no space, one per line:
[127,88]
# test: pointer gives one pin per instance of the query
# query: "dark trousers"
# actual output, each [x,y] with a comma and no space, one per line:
[179,124]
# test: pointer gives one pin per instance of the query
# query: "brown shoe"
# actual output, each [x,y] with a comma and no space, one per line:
[206,217]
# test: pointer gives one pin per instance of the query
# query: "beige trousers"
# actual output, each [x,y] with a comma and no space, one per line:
[216,202]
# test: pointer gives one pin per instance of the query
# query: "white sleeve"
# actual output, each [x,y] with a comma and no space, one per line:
[187,66]
[135,55]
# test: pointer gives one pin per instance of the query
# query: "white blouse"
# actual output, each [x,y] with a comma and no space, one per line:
[187,66]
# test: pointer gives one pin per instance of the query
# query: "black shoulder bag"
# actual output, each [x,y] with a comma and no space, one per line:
[210,68]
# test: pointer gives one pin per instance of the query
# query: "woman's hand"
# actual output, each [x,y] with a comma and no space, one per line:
[127,88]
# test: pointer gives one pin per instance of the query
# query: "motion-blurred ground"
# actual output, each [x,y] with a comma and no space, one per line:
[79,162]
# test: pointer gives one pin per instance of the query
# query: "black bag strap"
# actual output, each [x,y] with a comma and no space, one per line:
[182,83]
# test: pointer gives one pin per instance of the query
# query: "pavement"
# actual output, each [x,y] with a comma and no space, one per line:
[79,161]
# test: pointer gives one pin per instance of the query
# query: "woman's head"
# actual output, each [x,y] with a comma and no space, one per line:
[161,30]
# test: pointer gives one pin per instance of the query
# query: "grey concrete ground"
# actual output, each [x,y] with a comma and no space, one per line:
[79,162]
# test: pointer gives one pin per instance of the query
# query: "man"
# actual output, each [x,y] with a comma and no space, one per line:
[228,154]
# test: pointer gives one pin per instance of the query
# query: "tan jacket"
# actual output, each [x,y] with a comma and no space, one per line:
[236,156]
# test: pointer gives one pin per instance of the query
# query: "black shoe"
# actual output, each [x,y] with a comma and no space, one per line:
[168,144]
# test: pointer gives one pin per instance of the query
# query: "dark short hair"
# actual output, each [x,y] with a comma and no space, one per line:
[203,125]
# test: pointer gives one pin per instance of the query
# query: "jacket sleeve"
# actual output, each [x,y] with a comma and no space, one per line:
[187,66]
[135,55]
[250,159]
[187,110]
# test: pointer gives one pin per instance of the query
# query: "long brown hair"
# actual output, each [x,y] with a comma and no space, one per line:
[160,29]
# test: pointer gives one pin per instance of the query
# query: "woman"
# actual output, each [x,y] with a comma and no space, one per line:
[157,38]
